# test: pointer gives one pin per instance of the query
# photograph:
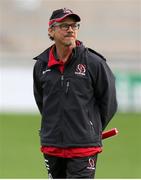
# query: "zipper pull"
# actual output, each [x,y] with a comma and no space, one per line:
[67,88]
[62,80]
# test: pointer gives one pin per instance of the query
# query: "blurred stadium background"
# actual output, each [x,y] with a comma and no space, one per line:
[111,27]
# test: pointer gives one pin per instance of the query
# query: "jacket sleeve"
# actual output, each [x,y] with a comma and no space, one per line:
[37,87]
[105,93]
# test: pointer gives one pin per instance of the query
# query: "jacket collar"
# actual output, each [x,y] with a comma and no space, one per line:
[52,58]
[44,56]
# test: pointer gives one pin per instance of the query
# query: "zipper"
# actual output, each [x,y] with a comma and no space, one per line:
[62,80]
[67,84]
[61,113]
[67,87]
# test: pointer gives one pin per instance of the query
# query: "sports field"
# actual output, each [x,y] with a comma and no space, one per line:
[20,156]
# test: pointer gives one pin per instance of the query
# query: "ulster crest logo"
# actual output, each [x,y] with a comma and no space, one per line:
[81,69]
[91,164]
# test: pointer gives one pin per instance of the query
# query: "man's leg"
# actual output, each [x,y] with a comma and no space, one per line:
[81,167]
[56,167]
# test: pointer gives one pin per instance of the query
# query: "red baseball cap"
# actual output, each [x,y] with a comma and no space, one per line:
[60,14]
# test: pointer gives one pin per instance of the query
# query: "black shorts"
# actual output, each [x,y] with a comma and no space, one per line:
[70,168]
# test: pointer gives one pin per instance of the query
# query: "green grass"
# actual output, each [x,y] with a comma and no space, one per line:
[20,155]
[121,154]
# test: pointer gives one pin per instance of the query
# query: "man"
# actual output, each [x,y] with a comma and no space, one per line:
[75,92]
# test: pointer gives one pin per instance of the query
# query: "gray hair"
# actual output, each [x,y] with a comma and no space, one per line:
[51,26]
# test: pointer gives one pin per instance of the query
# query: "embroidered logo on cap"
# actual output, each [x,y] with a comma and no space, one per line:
[67,11]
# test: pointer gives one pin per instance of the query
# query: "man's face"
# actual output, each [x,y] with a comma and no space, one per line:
[65,32]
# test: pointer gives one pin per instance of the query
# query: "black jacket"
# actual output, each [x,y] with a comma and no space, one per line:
[78,104]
